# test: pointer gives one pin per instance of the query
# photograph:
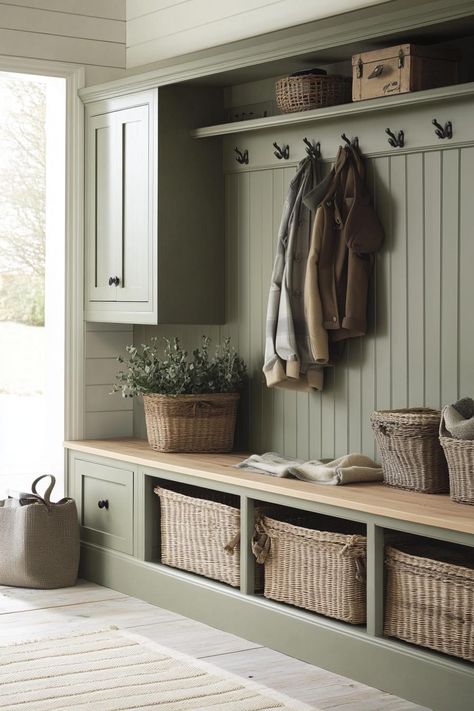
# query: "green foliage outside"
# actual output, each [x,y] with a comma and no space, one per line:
[149,369]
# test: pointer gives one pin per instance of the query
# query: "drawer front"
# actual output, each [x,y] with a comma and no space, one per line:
[105,500]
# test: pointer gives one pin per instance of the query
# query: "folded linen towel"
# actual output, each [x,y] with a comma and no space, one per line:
[349,469]
[270,463]
[459,419]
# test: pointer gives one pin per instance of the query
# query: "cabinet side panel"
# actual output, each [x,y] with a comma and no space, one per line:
[190,210]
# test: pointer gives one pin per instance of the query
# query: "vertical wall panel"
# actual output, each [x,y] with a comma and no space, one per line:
[415,280]
[432,262]
[449,275]
[466,279]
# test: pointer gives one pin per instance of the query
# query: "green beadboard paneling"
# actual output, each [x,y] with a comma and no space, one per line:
[419,349]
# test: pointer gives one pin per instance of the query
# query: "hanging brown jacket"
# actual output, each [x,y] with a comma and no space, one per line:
[347,233]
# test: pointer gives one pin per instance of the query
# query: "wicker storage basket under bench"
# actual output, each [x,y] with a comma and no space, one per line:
[200,533]
[321,571]
[430,597]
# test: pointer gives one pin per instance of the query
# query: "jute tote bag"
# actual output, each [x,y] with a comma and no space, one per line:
[39,540]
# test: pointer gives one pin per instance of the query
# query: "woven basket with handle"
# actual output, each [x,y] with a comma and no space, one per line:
[459,455]
[412,457]
[312,91]
[321,571]
[191,423]
[430,602]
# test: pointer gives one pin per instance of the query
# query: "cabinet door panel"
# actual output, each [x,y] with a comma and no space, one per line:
[135,249]
[104,206]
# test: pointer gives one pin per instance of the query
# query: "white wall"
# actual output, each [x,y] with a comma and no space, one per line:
[85,32]
[160,29]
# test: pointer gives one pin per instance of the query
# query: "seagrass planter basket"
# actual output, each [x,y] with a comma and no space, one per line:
[459,455]
[321,571]
[200,533]
[191,423]
[312,91]
[431,602]
[412,457]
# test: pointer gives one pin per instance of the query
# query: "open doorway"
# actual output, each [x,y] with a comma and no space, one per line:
[32,276]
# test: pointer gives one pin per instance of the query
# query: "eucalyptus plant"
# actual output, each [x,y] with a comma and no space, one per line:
[170,371]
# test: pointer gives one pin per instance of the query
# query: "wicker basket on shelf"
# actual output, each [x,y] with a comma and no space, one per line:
[312,91]
[321,571]
[191,423]
[200,533]
[412,457]
[431,602]
[459,455]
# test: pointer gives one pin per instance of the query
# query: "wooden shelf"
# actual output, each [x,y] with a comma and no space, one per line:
[431,510]
[445,93]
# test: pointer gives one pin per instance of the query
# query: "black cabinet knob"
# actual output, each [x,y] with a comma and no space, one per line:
[114,281]
[103,504]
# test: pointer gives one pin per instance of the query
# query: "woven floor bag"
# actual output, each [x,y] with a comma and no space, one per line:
[39,540]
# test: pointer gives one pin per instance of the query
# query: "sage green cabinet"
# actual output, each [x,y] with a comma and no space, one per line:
[154,209]
[105,500]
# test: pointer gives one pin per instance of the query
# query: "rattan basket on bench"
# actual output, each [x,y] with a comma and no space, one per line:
[412,457]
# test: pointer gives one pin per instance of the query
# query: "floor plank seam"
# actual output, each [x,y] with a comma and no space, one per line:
[235,651]
[60,607]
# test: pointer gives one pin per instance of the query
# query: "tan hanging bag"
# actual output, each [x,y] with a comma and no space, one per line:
[39,540]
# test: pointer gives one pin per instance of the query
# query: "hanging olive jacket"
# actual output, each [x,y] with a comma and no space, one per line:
[347,233]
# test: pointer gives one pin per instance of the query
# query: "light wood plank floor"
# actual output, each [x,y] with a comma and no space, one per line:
[28,614]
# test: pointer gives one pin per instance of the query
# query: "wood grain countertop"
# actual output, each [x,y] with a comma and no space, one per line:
[429,509]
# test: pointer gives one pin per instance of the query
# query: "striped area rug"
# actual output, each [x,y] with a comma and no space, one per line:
[110,670]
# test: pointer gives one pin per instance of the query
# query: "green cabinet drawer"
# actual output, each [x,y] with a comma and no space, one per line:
[105,501]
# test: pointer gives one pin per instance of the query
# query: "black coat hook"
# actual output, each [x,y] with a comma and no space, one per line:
[443,132]
[313,150]
[350,141]
[242,158]
[396,141]
[281,151]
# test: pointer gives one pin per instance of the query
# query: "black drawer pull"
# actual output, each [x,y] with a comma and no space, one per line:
[103,504]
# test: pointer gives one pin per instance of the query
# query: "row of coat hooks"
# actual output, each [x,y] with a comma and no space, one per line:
[396,140]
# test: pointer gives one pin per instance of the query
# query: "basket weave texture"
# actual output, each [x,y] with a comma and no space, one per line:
[430,602]
[459,455]
[320,571]
[200,535]
[412,457]
[191,423]
[312,91]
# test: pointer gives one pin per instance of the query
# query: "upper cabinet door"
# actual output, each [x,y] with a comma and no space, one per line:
[121,159]
[103,221]
[135,246]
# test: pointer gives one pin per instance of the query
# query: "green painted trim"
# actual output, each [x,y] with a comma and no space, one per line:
[421,676]
[375,579]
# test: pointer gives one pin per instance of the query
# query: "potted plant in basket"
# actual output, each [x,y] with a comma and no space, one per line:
[190,402]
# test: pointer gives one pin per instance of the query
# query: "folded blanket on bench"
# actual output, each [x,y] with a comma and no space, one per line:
[349,469]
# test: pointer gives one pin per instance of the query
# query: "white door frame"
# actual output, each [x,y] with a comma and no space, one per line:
[74,216]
